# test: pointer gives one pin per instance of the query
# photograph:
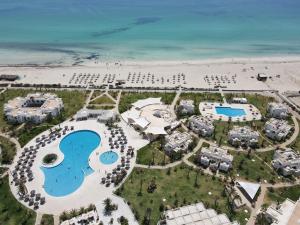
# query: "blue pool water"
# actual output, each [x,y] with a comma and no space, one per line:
[108,157]
[230,112]
[67,177]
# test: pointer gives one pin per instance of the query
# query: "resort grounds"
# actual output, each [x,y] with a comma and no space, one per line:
[177,182]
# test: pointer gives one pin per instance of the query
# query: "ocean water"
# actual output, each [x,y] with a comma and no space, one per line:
[56,30]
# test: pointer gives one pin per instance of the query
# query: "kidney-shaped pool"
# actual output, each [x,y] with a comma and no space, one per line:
[67,177]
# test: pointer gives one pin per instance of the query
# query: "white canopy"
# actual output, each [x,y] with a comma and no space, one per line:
[250,188]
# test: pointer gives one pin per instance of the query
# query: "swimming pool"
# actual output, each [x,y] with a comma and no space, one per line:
[108,157]
[229,111]
[67,177]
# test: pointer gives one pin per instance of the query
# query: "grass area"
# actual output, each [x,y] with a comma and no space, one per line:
[222,128]
[275,195]
[73,102]
[174,187]
[128,98]
[96,93]
[47,219]
[103,100]
[152,154]
[259,101]
[194,157]
[8,151]
[200,97]
[266,156]
[105,107]
[3,170]
[113,94]
[11,211]
[251,168]
[296,144]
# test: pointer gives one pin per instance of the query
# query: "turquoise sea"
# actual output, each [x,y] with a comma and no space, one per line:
[49,30]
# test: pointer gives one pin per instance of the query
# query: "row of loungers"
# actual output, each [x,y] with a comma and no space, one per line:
[89,218]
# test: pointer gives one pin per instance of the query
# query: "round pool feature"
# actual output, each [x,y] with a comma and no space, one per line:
[108,157]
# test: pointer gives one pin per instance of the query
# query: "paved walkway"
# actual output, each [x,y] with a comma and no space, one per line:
[87,101]
[38,218]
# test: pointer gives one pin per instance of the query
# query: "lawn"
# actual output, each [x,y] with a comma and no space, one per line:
[73,102]
[96,93]
[128,98]
[105,107]
[194,157]
[200,97]
[259,101]
[3,170]
[152,154]
[251,168]
[222,128]
[174,187]
[296,144]
[47,219]
[8,151]
[103,100]
[113,94]
[275,195]
[11,211]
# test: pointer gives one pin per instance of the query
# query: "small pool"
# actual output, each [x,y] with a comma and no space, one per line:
[108,157]
[229,111]
[68,176]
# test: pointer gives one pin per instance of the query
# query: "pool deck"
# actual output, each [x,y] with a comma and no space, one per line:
[91,190]
[208,109]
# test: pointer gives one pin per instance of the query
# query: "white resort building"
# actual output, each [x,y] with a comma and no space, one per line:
[216,158]
[151,117]
[277,129]
[186,107]
[201,125]
[287,161]
[195,214]
[33,108]
[277,110]
[243,136]
[177,142]
[101,115]
[287,213]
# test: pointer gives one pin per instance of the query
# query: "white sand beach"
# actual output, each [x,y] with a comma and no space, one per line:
[234,74]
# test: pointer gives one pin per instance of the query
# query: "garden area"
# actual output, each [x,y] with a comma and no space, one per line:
[296,144]
[152,154]
[258,100]
[47,219]
[150,192]
[102,100]
[252,168]
[11,211]
[8,151]
[73,102]
[128,98]
[200,97]
[222,129]
[278,195]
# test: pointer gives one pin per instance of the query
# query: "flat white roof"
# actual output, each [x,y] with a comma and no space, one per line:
[144,102]
[155,130]
[142,122]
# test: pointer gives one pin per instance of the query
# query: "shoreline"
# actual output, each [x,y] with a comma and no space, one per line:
[210,61]
[229,74]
